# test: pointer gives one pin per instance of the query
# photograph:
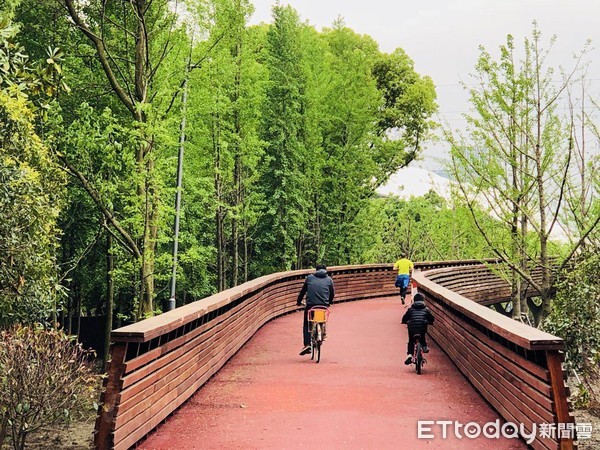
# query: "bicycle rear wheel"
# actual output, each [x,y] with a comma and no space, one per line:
[419,359]
[313,340]
[319,341]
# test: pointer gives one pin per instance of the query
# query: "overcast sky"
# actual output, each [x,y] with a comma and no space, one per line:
[442,36]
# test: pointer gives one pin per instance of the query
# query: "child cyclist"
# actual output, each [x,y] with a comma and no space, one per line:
[417,318]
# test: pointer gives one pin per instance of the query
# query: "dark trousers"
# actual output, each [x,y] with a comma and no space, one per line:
[305,327]
[422,332]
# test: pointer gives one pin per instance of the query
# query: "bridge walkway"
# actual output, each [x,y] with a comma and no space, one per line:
[360,396]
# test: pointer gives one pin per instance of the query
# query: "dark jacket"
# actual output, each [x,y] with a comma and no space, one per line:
[318,288]
[418,317]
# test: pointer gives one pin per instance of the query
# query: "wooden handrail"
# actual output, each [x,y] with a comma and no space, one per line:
[523,335]
[515,367]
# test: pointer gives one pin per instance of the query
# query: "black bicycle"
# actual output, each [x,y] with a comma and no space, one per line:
[418,359]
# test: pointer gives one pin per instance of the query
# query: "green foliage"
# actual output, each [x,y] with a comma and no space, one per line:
[517,161]
[7,8]
[404,117]
[425,228]
[289,131]
[284,129]
[103,150]
[31,187]
[575,313]
[44,379]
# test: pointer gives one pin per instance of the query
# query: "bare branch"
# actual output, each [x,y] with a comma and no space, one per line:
[131,245]
[81,255]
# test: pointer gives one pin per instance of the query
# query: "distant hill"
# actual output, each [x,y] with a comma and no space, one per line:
[415,182]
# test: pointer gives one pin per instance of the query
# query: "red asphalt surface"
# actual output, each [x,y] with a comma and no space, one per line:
[360,396]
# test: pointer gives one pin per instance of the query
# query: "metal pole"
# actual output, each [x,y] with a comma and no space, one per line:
[171,303]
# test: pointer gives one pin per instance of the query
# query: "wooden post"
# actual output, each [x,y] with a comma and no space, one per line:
[103,439]
[559,394]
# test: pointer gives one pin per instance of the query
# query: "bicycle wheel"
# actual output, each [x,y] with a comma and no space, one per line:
[419,359]
[318,341]
[313,340]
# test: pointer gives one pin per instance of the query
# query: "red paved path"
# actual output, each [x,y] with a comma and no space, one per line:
[360,396]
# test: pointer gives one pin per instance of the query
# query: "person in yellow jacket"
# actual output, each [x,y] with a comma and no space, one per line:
[404,266]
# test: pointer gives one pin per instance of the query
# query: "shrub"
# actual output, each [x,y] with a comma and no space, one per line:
[575,313]
[44,379]
[575,317]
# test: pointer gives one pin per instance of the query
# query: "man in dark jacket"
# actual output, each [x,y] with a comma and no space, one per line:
[319,291]
[417,318]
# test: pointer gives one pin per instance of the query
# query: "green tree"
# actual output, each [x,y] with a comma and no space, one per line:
[283,130]
[30,193]
[131,42]
[373,114]
[344,159]
[426,228]
[404,117]
[516,163]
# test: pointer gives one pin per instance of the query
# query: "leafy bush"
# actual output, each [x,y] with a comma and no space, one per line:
[44,379]
[31,187]
[575,313]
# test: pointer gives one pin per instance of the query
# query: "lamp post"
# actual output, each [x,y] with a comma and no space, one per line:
[171,302]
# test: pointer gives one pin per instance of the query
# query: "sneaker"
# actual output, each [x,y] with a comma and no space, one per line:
[408,360]
[305,350]
[402,300]
[425,349]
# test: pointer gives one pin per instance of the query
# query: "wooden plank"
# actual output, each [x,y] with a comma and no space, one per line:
[107,409]
[234,333]
[508,412]
[162,408]
[499,350]
[150,328]
[560,394]
[153,354]
[481,384]
[506,382]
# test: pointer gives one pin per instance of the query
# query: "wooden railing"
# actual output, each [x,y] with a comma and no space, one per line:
[158,363]
[515,367]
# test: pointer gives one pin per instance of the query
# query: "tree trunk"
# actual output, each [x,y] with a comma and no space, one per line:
[110,294]
[3,429]
[78,310]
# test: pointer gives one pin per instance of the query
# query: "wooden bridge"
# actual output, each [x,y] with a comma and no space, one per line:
[159,363]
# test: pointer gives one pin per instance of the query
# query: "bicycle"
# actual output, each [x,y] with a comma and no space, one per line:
[317,318]
[418,359]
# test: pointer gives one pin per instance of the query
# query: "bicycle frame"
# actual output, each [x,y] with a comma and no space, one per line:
[317,318]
